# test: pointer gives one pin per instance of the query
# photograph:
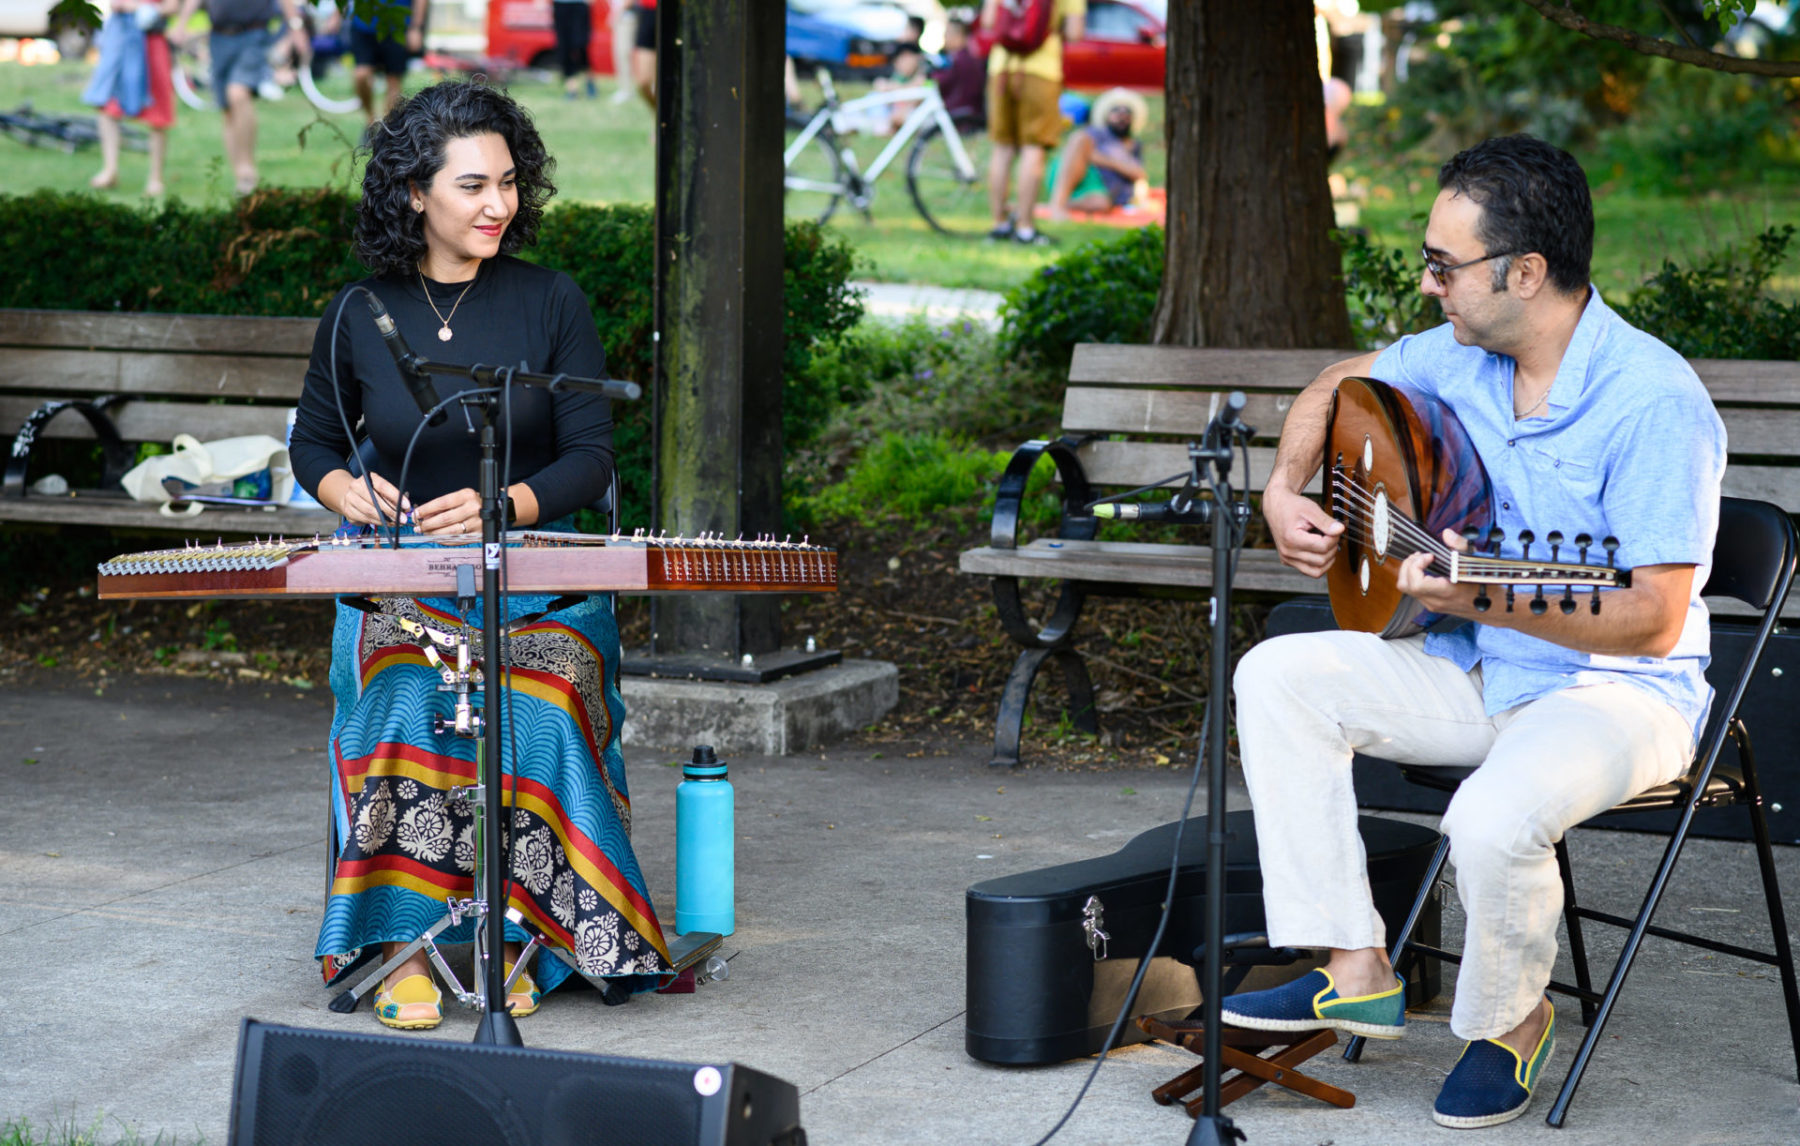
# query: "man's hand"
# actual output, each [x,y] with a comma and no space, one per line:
[1437,594]
[415,40]
[458,512]
[1305,535]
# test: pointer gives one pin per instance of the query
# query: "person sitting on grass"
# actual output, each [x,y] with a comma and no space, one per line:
[1101,165]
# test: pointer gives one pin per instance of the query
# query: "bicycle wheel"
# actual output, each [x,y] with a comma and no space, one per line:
[814,182]
[953,202]
[332,100]
[191,75]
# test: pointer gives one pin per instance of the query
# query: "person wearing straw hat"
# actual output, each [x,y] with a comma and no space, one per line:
[1102,164]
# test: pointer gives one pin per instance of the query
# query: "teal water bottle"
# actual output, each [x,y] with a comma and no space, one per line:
[705,847]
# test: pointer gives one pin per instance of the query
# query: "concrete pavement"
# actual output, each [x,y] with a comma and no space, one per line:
[161,872]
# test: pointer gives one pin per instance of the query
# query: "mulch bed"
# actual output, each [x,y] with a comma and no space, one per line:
[901,599]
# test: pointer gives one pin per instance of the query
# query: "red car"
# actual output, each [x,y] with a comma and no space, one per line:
[521,31]
[1125,46]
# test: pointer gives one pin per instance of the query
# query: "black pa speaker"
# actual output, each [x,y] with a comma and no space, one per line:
[297,1087]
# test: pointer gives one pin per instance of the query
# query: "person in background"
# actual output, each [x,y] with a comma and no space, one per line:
[239,42]
[374,43]
[962,77]
[1102,164]
[624,29]
[574,23]
[643,52]
[132,78]
[1024,121]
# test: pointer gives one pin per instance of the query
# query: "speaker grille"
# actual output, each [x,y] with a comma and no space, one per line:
[298,1087]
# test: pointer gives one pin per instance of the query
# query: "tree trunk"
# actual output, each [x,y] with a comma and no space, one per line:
[1249,260]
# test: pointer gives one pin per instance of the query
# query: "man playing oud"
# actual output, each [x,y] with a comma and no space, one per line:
[1586,425]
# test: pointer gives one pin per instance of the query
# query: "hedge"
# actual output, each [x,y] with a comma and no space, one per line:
[284,252]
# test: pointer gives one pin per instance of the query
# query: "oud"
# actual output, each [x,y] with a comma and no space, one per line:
[1403,470]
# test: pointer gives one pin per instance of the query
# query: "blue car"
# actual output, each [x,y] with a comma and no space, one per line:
[849,37]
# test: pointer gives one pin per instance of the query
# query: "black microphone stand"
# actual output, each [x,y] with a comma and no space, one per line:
[497,1024]
[1212,1128]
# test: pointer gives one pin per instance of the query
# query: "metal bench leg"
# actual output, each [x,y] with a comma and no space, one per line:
[1572,920]
[1010,719]
[1353,1052]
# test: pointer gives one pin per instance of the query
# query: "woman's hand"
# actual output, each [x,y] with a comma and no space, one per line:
[355,506]
[458,512]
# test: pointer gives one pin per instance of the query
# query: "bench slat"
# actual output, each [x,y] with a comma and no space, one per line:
[1108,364]
[1131,464]
[203,334]
[1753,382]
[82,372]
[154,421]
[121,513]
[1772,433]
[1176,413]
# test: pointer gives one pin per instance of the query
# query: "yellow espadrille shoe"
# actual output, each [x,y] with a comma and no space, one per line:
[412,1004]
[523,999]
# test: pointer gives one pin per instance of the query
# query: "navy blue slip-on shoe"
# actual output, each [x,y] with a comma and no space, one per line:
[1312,1003]
[1491,1083]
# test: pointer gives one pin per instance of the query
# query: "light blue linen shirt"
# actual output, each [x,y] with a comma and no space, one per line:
[1628,445]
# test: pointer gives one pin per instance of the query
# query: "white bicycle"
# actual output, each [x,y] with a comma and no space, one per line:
[945,171]
[191,74]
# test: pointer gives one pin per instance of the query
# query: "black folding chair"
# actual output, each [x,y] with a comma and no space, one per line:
[1753,561]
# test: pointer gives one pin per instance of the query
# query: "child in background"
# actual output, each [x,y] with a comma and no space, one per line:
[132,78]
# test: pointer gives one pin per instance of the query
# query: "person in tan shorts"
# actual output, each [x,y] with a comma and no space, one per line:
[1024,122]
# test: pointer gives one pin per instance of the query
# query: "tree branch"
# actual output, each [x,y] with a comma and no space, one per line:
[1562,15]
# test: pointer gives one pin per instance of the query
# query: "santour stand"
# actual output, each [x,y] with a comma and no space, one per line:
[497,1024]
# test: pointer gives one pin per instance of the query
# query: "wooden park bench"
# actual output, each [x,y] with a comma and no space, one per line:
[1128,413]
[121,380]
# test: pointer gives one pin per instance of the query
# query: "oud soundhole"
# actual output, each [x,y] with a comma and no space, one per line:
[1380,524]
[1363,573]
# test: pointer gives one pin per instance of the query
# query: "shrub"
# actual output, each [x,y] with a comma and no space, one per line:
[1385,299]
[1102,291]
[1720,308]
[918,475]
[285,252]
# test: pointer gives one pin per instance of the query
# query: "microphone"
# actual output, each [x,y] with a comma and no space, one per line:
[1200,514]
[417,381]
[1229,416]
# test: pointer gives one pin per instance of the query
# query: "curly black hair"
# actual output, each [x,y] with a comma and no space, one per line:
[407,147]
[1534,197]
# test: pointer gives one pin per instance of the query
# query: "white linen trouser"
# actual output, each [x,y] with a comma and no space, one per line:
[1305,702]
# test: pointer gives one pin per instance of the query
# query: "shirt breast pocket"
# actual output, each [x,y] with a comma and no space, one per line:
[1566,479]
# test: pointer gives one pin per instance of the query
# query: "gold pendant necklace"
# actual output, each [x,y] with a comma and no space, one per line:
[444,334]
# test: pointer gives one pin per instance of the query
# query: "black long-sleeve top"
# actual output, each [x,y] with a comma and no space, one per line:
[514,313]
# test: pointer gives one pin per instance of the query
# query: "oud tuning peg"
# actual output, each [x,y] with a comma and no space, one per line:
[1554,539]
[1539,606]
[1509,598]
[1472,534]
[1567,604]
[1494,537]
[1582,542]
[1482,601]
[1526,537]
[1611,545]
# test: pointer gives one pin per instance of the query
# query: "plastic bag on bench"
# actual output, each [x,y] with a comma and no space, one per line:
[254,468]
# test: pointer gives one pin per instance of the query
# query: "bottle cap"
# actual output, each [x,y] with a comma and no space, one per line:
[705,765]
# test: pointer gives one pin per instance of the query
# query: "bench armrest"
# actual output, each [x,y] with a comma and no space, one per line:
[115,458]
[1077,524]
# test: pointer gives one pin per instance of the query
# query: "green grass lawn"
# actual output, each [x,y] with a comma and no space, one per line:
[604,154]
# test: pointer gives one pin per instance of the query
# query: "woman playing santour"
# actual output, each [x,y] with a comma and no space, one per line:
[456,184]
